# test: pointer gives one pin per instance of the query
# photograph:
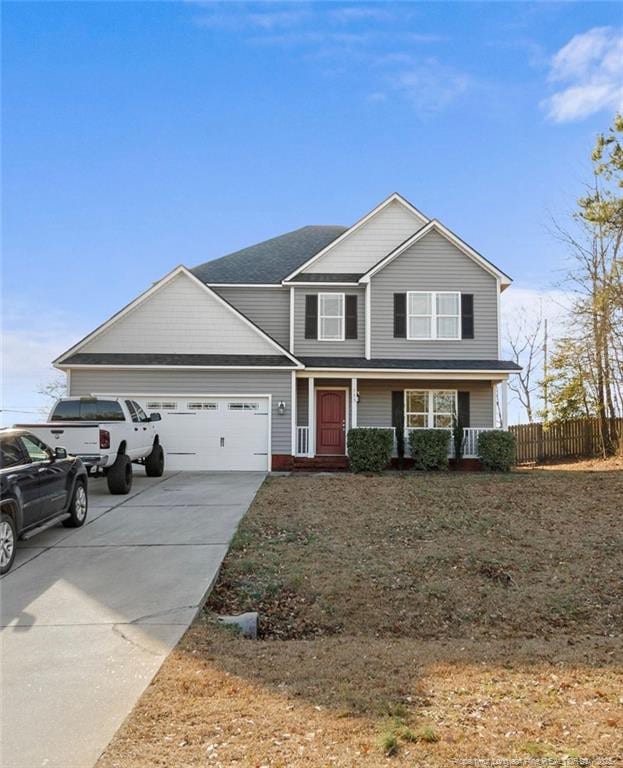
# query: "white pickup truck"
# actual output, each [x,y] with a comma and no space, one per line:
[106,433]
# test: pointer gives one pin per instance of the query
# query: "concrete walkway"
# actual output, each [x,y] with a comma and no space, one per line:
[89,615]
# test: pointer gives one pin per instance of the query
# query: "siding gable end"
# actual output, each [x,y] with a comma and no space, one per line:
[180,316]
[434,264]
[366,245]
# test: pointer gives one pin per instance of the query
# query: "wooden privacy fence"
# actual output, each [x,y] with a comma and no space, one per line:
[560,440]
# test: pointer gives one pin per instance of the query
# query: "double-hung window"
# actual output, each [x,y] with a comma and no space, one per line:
[430,408]
[331,317]
[433,315]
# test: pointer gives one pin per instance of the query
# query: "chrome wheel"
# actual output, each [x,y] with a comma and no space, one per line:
[80,503]
[7,543]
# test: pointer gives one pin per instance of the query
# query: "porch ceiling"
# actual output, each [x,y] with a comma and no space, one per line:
[363,363]
[382,368]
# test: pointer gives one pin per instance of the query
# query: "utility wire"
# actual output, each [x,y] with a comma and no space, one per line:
[15,410]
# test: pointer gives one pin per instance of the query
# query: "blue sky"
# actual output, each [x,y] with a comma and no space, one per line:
[137,136]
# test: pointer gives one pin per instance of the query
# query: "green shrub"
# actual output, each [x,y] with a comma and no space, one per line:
[496,449]
[429,448]
[369,450]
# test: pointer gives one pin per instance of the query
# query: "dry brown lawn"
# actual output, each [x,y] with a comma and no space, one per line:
[407,620]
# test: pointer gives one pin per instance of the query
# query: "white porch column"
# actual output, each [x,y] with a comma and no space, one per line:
[353,403]
[311,417]
[504,403]
[293,452]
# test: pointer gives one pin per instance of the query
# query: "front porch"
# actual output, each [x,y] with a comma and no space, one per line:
[326,407]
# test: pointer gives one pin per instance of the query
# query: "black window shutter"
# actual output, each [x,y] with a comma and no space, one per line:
[398,409]
[311,316]
[351,317]
[400,315]
[398,421]
[463,407]
[467,315]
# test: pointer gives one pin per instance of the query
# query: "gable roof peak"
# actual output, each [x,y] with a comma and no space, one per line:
[393,197]
[448,234]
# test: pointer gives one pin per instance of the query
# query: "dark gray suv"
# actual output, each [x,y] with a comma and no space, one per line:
[38,488]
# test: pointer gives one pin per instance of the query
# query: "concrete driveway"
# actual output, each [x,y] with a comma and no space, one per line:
[89,615]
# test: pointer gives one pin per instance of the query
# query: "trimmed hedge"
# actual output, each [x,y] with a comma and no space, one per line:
[496,449]
[370,449]
[429,448]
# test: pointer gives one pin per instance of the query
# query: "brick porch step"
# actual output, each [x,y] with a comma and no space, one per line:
[320,464]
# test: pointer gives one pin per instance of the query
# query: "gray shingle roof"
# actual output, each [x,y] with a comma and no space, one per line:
[148,358]
[270,261]
[419,365]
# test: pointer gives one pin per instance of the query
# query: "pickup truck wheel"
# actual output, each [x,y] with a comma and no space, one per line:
[8,536]
[119,475]
[154,463]
[78,507]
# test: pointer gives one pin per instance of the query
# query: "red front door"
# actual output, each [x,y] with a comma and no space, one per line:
[330,421]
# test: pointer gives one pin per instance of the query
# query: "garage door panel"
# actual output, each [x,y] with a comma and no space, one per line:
[213,433]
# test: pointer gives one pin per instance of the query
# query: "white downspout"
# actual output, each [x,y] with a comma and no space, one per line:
[368,314]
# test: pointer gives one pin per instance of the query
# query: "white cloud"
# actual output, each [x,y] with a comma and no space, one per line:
[423,37]
[335,37]
[360,13]
[27,353]
[222,18]
[431,86]
[589,69]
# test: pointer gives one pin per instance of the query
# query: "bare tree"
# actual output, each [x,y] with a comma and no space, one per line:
[525,341]
[595,244]
[51,391]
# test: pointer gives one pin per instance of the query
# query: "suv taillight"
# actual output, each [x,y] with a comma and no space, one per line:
[104,438]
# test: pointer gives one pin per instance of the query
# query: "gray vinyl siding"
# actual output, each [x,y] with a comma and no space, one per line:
[170,382]
[434,264]
[268,308]
[375,403]
[346,348]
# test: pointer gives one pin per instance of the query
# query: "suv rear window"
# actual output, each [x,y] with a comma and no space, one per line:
[88,410]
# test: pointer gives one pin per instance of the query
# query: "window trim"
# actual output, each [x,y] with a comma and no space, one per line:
[341,318]
[434,316]
[430,413]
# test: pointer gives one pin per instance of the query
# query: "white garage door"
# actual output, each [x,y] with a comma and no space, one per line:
[212,433]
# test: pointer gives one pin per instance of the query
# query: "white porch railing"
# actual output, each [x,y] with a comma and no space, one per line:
[302,441]
[470,441]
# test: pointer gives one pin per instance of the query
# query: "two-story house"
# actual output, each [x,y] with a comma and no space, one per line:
[275,351]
